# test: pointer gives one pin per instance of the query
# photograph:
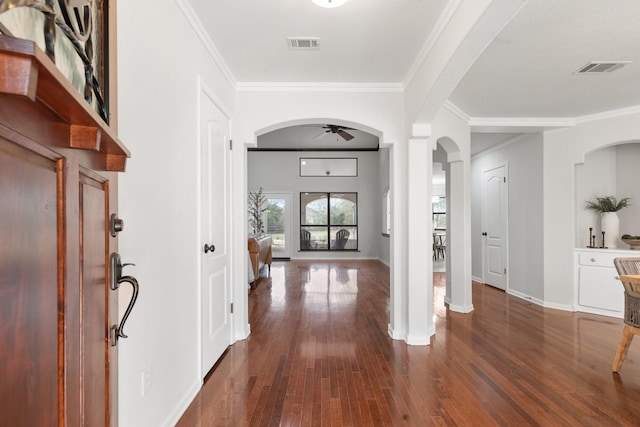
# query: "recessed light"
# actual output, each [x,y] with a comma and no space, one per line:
[329,3]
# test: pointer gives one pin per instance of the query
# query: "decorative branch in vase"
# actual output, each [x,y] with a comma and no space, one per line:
[607,207]
[256,200]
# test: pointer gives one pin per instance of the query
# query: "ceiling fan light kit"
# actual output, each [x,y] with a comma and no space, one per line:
[338,130]
[330,3]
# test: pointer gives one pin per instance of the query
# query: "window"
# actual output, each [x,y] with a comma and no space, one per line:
[328,221]
[439,213]
[329,167]
[386,212]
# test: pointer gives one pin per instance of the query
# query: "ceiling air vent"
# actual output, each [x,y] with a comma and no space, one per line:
[303,43]
[602,67]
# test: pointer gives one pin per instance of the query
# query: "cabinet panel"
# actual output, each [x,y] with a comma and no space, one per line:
[29,287]
[600,288]
[598,259]
[94,326]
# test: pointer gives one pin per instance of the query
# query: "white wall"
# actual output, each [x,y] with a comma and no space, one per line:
[627,179]
[280,172]
[611,171]
[524,158]
[595,177]
[157,104]
[563,149]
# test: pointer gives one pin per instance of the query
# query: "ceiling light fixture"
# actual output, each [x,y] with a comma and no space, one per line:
[329,3]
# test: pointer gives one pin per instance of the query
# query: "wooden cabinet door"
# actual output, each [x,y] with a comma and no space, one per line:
[94,299]
[56,307]
[29,288]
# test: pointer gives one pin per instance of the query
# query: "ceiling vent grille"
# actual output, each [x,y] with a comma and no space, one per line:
[304,43]
[599,67]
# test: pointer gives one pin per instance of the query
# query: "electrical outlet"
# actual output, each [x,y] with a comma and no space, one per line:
[145,377]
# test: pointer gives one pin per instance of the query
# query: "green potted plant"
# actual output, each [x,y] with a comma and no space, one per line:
[256,200]
[607,207]
[608,204]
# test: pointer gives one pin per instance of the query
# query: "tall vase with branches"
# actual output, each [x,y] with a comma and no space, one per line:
[256,200]
[607,207]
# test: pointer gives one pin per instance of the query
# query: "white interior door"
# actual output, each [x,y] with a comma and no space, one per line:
[494,226]
[214,222]
[277,220]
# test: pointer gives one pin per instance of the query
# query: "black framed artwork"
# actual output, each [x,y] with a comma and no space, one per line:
[73,34]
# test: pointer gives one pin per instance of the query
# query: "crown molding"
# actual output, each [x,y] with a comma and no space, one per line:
[453,108]
[499,146]
[520,124]
[318,87]
[428,45]
[608,114]
[533,124]
[198,27]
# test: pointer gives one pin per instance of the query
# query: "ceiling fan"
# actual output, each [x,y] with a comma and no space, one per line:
[339,130]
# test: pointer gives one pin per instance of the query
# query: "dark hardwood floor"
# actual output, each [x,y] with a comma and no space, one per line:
[319,354]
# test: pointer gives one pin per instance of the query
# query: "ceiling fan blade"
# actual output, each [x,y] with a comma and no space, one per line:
[346,136]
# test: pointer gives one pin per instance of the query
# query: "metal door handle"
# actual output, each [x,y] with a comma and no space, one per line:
[209,248]
[117,330]
[117,279]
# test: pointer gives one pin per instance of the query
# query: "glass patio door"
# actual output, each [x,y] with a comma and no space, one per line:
[277,220]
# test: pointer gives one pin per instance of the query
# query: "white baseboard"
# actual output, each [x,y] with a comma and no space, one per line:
[421,339]
[395,334]
[526,297]
[461,308]
[563,307]
[183,404]
[477,279]
[385,262]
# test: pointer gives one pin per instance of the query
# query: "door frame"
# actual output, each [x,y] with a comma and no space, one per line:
[505,226]
[205,90]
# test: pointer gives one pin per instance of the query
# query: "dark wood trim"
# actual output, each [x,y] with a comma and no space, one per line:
[31,83]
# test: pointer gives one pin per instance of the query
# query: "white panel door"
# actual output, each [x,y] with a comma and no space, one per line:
[214,231]
[277,220]
[494,225]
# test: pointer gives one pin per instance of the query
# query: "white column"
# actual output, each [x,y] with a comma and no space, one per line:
[420,326]
[459,238]
[397,328]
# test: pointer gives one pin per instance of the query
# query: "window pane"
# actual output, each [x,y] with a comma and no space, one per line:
[344,238]
[439,204]
[275,215]
[344,209]
[318,238]
[314,208]
[439,221]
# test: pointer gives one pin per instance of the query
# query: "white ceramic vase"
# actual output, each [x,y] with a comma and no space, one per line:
[610,224]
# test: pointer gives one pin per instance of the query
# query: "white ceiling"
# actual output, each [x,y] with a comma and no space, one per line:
[526,72]
[528,69]
[362,41]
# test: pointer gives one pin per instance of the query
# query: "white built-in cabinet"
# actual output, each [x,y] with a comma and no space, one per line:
[597,287]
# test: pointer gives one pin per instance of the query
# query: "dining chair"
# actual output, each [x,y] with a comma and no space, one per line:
[305,239]
[628,266]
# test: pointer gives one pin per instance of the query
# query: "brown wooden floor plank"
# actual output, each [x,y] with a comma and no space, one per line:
[319,354]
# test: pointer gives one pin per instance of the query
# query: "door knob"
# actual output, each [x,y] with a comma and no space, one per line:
[209,248]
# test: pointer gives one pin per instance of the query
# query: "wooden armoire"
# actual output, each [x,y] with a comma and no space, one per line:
[58,160]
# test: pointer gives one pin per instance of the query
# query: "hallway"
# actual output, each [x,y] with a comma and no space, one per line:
[319,354]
